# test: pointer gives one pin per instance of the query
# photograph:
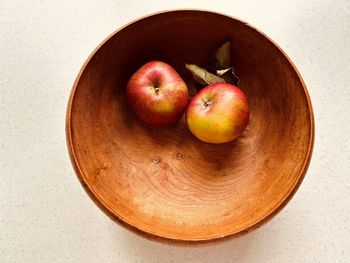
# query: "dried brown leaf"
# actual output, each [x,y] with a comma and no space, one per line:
[222,56]
[229,75]
[202,76]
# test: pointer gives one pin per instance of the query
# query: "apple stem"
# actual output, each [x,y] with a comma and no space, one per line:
[156,87]
[207,103]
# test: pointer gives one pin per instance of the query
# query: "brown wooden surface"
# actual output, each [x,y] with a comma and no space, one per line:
[162,182]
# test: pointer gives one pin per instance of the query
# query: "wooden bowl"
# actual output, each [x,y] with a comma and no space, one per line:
[163,183]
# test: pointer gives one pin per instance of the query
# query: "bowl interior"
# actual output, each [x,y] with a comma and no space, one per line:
[163,181]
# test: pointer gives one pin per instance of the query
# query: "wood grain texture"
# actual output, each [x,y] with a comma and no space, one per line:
[163,183]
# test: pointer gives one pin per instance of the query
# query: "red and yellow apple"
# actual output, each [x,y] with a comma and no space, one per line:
[157,94]
[218,113]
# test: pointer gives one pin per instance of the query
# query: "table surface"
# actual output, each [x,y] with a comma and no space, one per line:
[45,216]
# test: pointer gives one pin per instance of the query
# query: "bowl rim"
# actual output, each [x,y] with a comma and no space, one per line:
[167,239]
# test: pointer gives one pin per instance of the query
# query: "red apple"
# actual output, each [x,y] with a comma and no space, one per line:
[218,113]
[157,94]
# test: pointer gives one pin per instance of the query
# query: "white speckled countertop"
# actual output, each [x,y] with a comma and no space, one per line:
[45,216]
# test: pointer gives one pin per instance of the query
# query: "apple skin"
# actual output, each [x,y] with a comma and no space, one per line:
[218,113]
[157,94]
